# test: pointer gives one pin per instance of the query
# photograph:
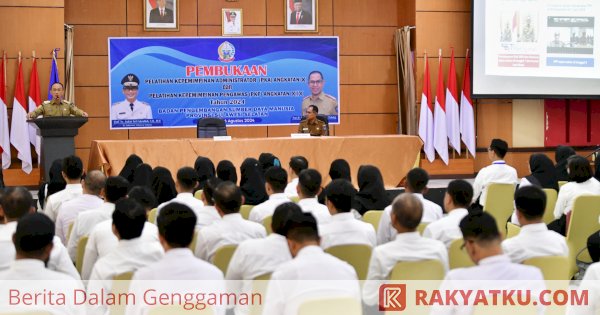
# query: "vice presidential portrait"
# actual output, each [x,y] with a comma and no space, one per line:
[299,16]
[161,14]
[326,103]
[131,107]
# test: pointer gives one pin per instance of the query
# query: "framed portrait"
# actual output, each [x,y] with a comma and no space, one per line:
[161,15]
[300,16]
[232,22]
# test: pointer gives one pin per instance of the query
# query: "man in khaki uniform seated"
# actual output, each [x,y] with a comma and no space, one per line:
[311,124]
[327,103]
[57,106]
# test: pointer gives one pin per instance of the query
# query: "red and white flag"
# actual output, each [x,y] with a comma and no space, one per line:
[35,99]
[4,136]
[467,116]
[426,116]
[452,122]
[19,137]
[440,136]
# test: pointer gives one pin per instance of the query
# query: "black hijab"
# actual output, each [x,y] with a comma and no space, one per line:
[340,169]
[561,155]
[54,183]
[266,160]
[163,185]
[226,171]
[205,169]
[543,172]
[252,182]
[142,176]
[371,190]
[130,164]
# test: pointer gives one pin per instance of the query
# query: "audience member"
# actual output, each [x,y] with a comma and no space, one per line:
[371,191]
[343,228]
[561,155]
[456,202]
[142,176]
[54,184]
[129,168]
[267,160]
[297,164]
[187,180]
[205,169]
[309,185]
[17,202]
[407,211]
[498,172]
[232,229]
[338,169]
[226,171]
[72,170]
[93,184]
[144,196]
[593,245]
[208,214]
[252,182]
[590,285]
[163,185]
[543,173]
[276,180]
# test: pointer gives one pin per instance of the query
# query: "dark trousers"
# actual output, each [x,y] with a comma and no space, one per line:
[593,245]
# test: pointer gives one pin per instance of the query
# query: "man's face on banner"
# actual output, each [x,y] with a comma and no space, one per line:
[315,83]
[131,93]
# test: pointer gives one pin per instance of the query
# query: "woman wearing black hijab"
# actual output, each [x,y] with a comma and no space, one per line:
[142,176]
[252,182]
[226,171]
[54,184]
[543,173]
[563,152]
[130,164]
[371,190]
[205,169]
[163,185]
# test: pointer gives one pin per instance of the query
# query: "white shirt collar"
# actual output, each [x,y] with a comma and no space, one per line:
[343,216]
[536,227]
[233,217]
[185,194]
[499,162]
[458,212]
[408,236]
[179,252]
[73,186]
[309,250]
[28,264]
[278,196]
[495,260]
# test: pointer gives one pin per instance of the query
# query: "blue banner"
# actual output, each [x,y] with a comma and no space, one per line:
[247,81]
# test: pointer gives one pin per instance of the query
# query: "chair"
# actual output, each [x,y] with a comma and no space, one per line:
[80,252]
[418,270]
[295,199]
[322,118]
[120,285]
[551,196]
[69,230]
[198,194]
[223,256]
[421,227]
[500,203]
[373,217]
[561,183]
[583,222]
[458,256]
[512,230]
[267,224]
[152,215]
[331,306]
[245,211]
[263,277]
[357,255]
[211,127]
[123,276]
[552,267]
[194,241]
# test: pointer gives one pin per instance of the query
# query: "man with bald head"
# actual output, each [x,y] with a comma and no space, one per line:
[93,188]
[407,211]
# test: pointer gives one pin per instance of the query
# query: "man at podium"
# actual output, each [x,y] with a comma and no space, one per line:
[57,107]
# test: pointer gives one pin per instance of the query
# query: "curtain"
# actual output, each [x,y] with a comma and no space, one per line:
[407,101]
[69,64]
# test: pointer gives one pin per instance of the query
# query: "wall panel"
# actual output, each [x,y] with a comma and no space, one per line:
[369,41]
[365,12]
[366,124]
[367,70]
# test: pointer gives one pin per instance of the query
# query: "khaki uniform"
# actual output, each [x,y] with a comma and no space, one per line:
[50,109]
[315,128]
[326,103]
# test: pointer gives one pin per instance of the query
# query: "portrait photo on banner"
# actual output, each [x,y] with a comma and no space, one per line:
[232,22]
[301,15]
[161,15]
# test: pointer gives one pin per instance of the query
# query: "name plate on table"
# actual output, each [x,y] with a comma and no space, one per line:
[300,135]
[222,138]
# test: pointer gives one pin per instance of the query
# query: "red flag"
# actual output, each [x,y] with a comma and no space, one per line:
[4,136]
[19,136]
[467,116]
[440,136]
[35,99]
[426,115]
[452,117]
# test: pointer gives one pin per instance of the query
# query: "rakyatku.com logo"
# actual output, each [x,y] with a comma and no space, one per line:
[392,297]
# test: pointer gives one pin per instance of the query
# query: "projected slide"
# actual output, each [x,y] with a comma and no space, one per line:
[541,38]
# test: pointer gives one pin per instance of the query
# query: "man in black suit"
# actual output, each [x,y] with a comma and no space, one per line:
[299,16]
[161,14]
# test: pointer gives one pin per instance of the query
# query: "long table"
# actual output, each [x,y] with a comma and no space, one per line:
[395,155]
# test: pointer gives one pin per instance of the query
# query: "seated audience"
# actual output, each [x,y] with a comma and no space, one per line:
[232,229]
[54,184]
[208,214]
[252,182]
[580,183]
[163,185]
[205,169]
[17,202]
[297,164]
[226,171]
[130,164]
[498,172]
[456,202]
[267,160]
[543,173]
[371,190]
[407,211]
[343,228]
[593,245]
[535,239]
[309,185]
[276,180]
[561,155]
[590,285]
[338,169]
[142,176]
[187,180]
[72,170]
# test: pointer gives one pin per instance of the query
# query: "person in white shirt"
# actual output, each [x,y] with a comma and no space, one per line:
[590,285]
[407,211]
[102,240]
[343,228]
[232,229]
[498,172]
[208,214]
[534,240]
[116,188]
[456,202]
[176,223]
[187,181]
[416,184]
[309,186]
[72,170]
[312,274]
[297,164]
[129,218]
[275,182]
[33,241]
[16,203]
[93,184]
